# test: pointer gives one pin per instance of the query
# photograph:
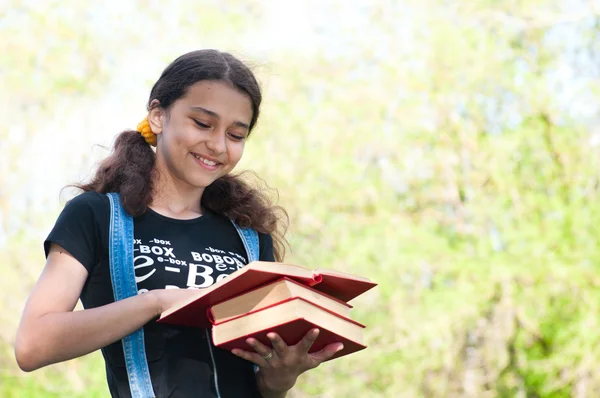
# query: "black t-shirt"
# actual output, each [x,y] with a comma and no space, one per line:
[168,253]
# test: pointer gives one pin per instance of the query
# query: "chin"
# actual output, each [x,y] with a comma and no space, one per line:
[202,182]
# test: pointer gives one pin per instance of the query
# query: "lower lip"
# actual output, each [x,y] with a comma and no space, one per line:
[206,166]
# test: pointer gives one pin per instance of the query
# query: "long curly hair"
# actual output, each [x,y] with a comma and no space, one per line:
[130,168]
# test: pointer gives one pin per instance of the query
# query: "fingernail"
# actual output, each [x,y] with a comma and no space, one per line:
[340,347]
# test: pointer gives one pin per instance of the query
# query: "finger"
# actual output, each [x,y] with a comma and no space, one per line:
[308,340]
[281,349]
[259,347]
[326,353]
[251,356]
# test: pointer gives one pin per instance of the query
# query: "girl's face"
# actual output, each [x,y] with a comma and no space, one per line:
[202,136]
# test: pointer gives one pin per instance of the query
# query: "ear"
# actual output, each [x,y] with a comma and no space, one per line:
[155,117]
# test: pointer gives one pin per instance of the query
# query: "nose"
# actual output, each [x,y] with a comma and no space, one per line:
[216,142]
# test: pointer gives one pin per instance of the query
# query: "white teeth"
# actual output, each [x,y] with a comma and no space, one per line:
[205,161]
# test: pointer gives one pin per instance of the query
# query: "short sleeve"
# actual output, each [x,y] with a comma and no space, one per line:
[82,228]
[266,247]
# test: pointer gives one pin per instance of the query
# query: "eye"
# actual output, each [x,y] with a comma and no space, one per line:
[237,137]
[201,125]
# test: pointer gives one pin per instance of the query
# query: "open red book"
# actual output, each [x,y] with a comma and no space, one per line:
[192,312]
[291,319]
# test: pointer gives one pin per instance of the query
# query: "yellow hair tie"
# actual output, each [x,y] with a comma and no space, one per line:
[144,129]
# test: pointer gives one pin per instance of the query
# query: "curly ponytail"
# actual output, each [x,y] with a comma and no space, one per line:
[129,170]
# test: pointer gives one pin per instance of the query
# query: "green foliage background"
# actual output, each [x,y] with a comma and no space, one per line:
[447,150]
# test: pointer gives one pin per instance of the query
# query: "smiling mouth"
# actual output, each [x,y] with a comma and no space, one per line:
[210,163]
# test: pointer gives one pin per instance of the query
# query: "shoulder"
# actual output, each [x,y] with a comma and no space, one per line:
[265,239]
[266,247]
[82,228]
[88,206]
[91,200]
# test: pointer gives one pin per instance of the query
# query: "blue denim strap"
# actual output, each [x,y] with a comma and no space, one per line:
[122,276]
[250,240]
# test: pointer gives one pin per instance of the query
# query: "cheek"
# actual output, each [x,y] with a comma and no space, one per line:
[235,152]
[182,139]
[186,136]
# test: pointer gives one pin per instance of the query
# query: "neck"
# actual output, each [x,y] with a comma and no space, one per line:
[174,198]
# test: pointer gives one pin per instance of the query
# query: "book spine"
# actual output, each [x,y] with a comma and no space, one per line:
[210,315]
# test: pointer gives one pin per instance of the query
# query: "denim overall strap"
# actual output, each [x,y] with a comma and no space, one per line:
[250,240]
[122,276]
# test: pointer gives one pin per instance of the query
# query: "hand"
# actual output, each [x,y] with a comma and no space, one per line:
[168,298]
[281,366]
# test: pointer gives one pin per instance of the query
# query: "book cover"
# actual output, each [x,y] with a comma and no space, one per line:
[291,319]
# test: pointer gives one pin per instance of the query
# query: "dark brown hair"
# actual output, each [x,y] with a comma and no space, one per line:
[130,169]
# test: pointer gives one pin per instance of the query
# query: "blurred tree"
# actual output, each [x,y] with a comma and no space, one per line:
[448,150]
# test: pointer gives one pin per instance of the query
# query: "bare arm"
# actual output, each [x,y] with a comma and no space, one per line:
[50,331]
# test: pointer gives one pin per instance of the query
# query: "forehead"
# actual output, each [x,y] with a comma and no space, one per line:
[221,98]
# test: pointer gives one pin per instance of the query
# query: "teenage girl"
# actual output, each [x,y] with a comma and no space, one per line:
[186,207]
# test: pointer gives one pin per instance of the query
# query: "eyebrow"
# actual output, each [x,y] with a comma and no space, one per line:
[216,116]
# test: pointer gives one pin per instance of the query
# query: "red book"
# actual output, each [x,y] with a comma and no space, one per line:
[291,319]
[192,312]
